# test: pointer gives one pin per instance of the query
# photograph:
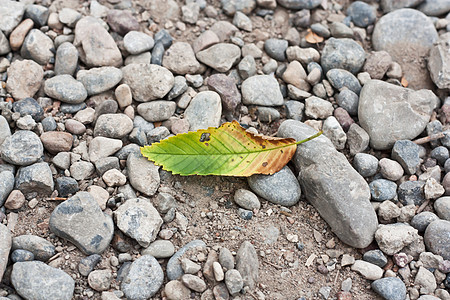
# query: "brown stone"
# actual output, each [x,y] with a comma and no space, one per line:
[208,270]
[15,200]
[24,78]
[57,141]
[19,33]
[122,21]
[226,88]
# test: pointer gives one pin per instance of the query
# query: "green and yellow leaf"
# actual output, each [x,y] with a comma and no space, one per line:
[228,150]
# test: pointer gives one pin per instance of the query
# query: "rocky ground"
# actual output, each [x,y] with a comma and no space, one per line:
[362,212]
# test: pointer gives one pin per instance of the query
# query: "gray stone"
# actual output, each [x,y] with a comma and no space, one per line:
[247,264]
[407,35]
[261,90]
[299,4]
[6,185]
[174,269]
[276,48]
[96,46]
[357,139]
[349,101]
[5,131]
[147,81]
[4,44]
[138,219]
[391,288]
[35,178]
[375,257]
[324,175]
[247,67]
[341,30]
[190,12]
[142,174]
[11,15]
[36,280]
[434,7]
[367,270]
[442,208]
[136,42]
[156,111]
[37,46]
[5,247]
[294,110]
[437,238]
[28,106]
[180,59]
[66,186]
[439,60]
[204,111]
[38,13]
[225,86]
[411,192]
[246,199]
[406,153]
[113,126]
[390,5]
[101,147]
[318,108]
[144,278]
[81,170]
[280,188]
[98,80]
[221,57]
[23,84]
[160,249]
[88,264]
[341,79]
[157,134]
[267,114]
[81,221]
[365,164]
[122,20]
[377,64]
[394,237]
[179,87]
[362,14]
[382,190]
[390,169]
[69,16]
[231,7]
[342,54]
[100,280]
[242,21]
[65,88]
[425,280]
[42,249]
[233,281]
[423,219]
[193,282]
[380,100]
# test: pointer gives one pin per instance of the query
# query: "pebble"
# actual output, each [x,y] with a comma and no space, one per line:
[375,257]
[247,264]
[144,278]
[66,186]
[69,16]
[75,127]
[142,174]
[81,170]
[261,90]
[390,169]
[160,249]
[175,290]
[6,185]
[180,59]
[367,270]
[340,79]
[113,125]
[440,153]
[242,21]
[18,35]
[434,7]
[218,271]
[87,264]
[101,147]
[349,101]
[226,88]
[15,199]
[24,84]
[246,199]
[114,177]
[205,40]
[220,292]
[318,108]
[97,230]
[156,111]
[189,267]
[99,80]
[29,107]
[340,30]
[5,131]
[40,247]
[361,13]
[11,15]
[38,47]
[438,59]
[174,269]
[388,210]
[394,237]
[247,67]
[21,255]
[276,48]
[100,280]
[62,160]
[328,196]
[407,154]
[391,288]
[96,43]
[343,54]
[365,164]
[57,141]
[441,206]
[221,57]
[193,282]
[423,219]
[425,280]
[382,190]
[299,4]
[294,110]
[136,42]
[138,219]
[75,108]
[234,281]
[54,283]
[437,237]
[66,89]
[147,81]
[204,111]
[122,21]
[35,178]
[5,247]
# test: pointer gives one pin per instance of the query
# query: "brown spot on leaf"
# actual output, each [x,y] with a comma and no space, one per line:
[264,164]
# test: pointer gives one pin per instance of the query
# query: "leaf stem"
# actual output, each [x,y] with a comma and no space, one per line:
[309,138]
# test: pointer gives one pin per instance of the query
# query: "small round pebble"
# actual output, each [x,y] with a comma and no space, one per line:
[365,164]
[382,189]
[375,257]
[390,169]
[21,255]
[422,220]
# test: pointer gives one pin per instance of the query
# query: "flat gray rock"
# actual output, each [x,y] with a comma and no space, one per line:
[204,111]
[114,126]
[280,188]
[299,4]
[174,269]
[101,147]
[180,59]
[136,42]
[10,15]
[98,80]
[144,278]
[42,249]
[138,219]
[391,288]
[147,81]
[22,148]
[5,247]
[38,281]
[221,57]
[38,46]
[342,54]
[334,188]
[247,264]
[81,221]
[66,60]
[439,61]
[6,185]
[261,90]
[142,174]
[390,5]
[437,238]
[35,178]
[407,35]
[155,111]
[66,89]
[389,113]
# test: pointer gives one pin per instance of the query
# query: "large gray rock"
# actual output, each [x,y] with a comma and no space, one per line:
[142,174]
[22,148]
[81,221]
[330,183]
[38,281]
[389,113]
[38,46]
[35,178]
[65,88]
[221,57]
[5,247]
[204,111]
[261,90]
[144,278]
[407,35]
[10,15]
[6,185]
[138,219]
[147,82]
[439,62]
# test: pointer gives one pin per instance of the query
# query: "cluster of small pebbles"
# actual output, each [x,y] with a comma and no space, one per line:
[85,84]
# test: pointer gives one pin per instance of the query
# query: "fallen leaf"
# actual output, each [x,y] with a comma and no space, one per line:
[313,38]
[228,151]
